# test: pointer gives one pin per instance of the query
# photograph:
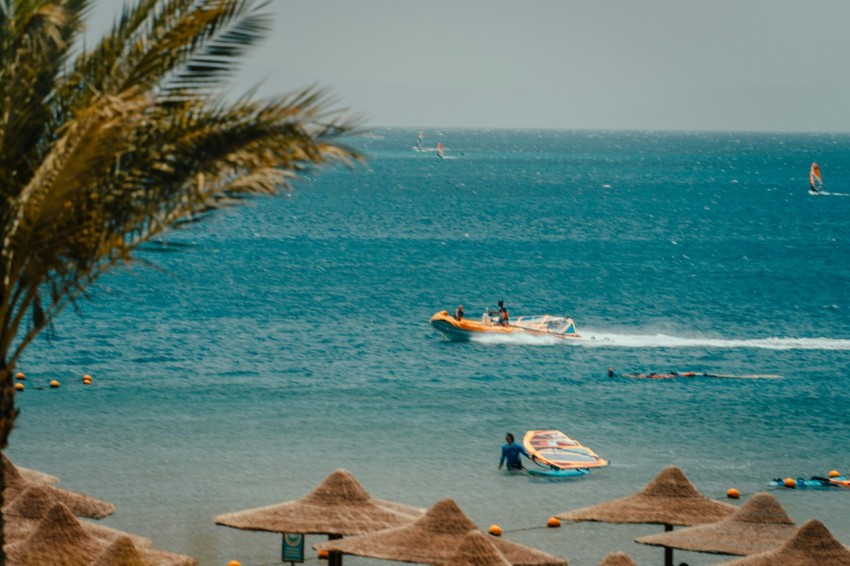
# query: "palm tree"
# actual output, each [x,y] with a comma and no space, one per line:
[102,149]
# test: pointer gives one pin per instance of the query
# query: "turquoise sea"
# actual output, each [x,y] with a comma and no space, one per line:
[278,342]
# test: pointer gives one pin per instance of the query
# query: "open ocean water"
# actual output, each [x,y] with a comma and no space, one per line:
[290,338]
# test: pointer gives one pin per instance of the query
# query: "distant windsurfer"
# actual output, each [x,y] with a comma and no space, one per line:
[511,453]
[815,180]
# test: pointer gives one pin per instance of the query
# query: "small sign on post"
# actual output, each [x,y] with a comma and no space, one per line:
[293,548]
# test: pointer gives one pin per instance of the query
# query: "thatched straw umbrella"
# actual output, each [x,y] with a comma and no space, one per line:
[61,540]
[669,499]
[761,524]
[25,512]
[122,552]
[434,539]
[618,559]
[79,503]
[813,545]
[339,506]
[477,549]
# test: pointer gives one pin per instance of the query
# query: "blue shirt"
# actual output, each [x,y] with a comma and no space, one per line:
[511,452]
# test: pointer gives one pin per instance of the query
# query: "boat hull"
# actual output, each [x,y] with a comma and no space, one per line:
[465,330]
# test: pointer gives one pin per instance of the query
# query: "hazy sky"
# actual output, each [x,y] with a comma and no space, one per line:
[753,65]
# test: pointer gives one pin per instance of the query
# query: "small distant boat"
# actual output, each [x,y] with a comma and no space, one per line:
[466,329]
[558,455]
[815,179]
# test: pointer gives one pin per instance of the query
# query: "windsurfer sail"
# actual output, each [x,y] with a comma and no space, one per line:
[419,141]
[440,153]
[815,181]
[559,454]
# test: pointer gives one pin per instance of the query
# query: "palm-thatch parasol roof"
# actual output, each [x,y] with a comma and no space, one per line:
[669,499]
[61,540]
[27,510]
[761,524]
[477,549]
[79,503]
[337,506]
[813,545]
[122,552]
[618,559]
[433,539]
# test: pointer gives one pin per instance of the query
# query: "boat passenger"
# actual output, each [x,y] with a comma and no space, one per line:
[511,452]
[459,312]
[504,319]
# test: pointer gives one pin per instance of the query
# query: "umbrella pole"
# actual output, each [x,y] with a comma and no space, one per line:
[668,551]
[334,558]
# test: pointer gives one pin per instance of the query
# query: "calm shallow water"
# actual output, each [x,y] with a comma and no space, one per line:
[290,338]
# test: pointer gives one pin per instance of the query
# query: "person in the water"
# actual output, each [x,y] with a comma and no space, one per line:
[511,453]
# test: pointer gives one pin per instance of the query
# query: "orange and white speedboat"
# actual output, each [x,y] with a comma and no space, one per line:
[467,329]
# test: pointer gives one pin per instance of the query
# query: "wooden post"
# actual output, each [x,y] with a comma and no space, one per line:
[668,552]
[334,558]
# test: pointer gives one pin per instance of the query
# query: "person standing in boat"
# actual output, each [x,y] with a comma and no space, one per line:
[459,312]
[504,319]
[511,453]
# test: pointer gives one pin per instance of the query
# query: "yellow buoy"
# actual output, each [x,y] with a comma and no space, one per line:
[323,554]
[54,384]
[553,522]
[789,482]
[234,563]
[20,375]
[19,386]
[733,493]
[86,376]
[834,474]
[495,530]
